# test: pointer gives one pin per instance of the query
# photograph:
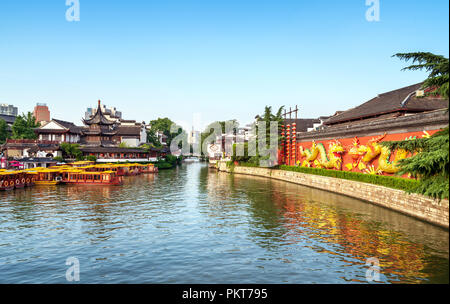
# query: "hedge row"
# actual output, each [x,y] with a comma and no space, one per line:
[405,184]
[399,183]
[242,164]
[163,165]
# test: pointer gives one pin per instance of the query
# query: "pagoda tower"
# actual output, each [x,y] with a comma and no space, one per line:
[99,130]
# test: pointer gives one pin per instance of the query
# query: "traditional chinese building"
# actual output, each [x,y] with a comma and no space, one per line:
[350,140]
[59,131]
[99,130]
[18,148]
[107,138]
[102,136]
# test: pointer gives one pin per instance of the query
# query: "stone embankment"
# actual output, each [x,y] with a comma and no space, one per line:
[418,206]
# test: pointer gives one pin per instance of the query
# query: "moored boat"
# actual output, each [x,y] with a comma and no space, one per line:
[30,177]
[46,176]
[149,168]
[7,180]
[20,180]
[10,179]
[91,177]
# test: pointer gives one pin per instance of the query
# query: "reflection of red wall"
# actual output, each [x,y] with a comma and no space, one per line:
[347,143]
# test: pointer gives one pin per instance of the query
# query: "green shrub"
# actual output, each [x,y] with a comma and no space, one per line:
[388,181]
[171,159]
[163,165]
[58,159]
[252,165]
[91,158]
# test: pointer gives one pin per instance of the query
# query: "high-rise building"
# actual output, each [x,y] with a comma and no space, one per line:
[110,113]
[41,113]
[7,109]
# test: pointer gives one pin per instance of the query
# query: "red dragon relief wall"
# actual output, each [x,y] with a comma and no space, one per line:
[357,154]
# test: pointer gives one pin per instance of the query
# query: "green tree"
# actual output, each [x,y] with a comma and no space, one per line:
[23,127]
[436,65]
[210,130]
[153,139]
[162,125]
[3,131]
[71,150]
[268,117]
[91,158]
[430,162]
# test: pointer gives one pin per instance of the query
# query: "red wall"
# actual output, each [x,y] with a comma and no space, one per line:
[347,143]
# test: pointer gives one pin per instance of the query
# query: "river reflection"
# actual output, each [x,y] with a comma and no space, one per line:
[196,225]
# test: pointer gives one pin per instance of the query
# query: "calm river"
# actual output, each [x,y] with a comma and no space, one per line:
[195,225]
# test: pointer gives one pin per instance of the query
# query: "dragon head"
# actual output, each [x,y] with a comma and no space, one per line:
[336,148]
[353,150]
[401,154]
[377,139]
[362,149]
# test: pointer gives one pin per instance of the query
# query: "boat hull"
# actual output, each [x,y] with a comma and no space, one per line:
[40,183]
[94,184]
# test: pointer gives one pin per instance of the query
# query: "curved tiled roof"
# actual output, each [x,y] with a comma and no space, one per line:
[129,131]
[99,118]
[401,100]
[69,125]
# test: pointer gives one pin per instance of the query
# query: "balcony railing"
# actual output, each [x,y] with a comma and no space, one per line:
[31,141]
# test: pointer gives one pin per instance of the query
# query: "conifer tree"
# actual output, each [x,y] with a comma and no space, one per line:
[430,160]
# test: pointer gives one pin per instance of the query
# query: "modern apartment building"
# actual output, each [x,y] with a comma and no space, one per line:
[41,113]
[7,109]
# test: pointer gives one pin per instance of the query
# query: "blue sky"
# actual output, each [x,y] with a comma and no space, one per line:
[221,59]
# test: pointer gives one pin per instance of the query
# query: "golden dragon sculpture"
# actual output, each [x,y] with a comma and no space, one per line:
[332,159]
[373,149]
[362,156]
[310,154]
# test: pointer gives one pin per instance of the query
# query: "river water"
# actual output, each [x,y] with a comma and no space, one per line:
[195,225]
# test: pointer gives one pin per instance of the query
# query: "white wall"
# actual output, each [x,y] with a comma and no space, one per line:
[131,142]
[143,134]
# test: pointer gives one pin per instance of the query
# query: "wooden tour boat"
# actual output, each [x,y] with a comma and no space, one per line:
[47,176]
[10,180]
[84,172]
[91,177]
[149,168]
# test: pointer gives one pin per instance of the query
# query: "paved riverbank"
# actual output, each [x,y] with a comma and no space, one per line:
[418,206]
